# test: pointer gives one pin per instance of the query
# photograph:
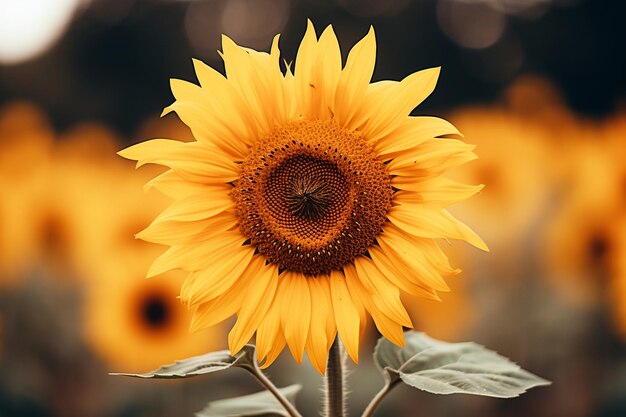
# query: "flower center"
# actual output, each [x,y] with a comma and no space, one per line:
[308,196]
[312,196]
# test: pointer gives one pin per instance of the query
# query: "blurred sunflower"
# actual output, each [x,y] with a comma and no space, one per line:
[617,288]
[137,324]
[26,138]
[309,199]
[515,165]
[579,245]
[614,132]
[93,207]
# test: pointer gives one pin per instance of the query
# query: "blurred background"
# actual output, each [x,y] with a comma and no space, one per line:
[538,85]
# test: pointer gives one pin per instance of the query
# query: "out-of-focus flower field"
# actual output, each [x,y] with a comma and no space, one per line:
[551,293]
[75,303]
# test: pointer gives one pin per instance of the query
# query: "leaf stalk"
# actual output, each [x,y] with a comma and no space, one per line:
[260,376]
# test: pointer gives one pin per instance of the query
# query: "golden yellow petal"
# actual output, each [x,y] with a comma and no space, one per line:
[210,313]
[176,187]
[389,106]
[306,94]
[295,314]
[400,276]
[276,347]
[326,73]
[215,280]
[412,132]
[197,255]
[244,72]
[423,221]
[208,120]
[428,250]
[431,158]
[191,160]
[389,328]
[258,297]
[232,110]
[385,295]
[346,314]
[321,310]
[181,233]
[405,253]
[437,257]
[354,80]
[196,207]
[435,192]
[281,88]
[269,330]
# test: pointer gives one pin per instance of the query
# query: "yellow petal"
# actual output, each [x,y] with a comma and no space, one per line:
[204,112]
[406,253]
[306,91]
[399,276]
[281,89]
[295,314]
[174,186]
[427,222]
[179,233]
[354,79]
[385,295]
[389,328]
[321,311]
[241,70]
[391,105]
[431,158]
[346,314]
[411,133]
[258,297]
[196,207]
[219,309]
[231,108]
[269,330]
[276,347]
[326,73]
[191,160]
[197,255]
[437,257]
[213,281]
[436,192]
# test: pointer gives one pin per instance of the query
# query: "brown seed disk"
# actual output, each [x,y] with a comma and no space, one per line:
[312,196]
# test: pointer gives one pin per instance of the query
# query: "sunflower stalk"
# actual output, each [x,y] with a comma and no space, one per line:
[335,387]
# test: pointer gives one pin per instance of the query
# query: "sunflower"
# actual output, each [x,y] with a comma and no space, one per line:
[580,245]
[134,323]
[92,201]
[309,198]
[27,140]
[516,166]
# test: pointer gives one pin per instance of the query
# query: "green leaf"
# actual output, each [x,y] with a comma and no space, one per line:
[258,404]
[199,365]
[447,368]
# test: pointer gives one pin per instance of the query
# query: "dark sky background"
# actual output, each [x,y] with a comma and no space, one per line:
[114,61]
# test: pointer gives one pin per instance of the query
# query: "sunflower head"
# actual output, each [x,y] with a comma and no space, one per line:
[309,199]
[312,196]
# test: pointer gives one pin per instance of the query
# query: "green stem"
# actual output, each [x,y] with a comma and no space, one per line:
[291,410]
[371,407]
[335,384]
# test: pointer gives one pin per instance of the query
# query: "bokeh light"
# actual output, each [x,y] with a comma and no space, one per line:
[29,27]
[471,24]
